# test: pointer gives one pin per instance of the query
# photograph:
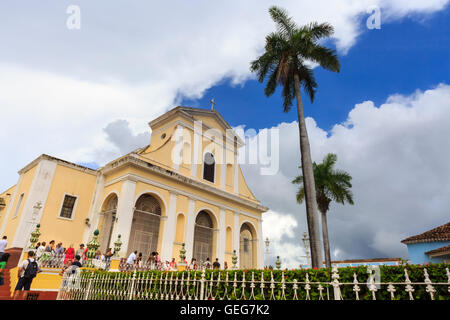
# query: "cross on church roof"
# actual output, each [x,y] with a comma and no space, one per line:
[212,104]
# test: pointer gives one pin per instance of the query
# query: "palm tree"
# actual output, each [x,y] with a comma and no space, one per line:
[331,185]
[286,62]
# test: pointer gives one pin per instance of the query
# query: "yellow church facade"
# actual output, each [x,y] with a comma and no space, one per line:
[186,186]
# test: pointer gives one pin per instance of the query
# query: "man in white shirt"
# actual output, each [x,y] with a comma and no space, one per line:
[40,250]
[131,259]
[26,277]
[3,244]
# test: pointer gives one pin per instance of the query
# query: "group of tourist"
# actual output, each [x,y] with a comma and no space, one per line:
[135,261]
[206,265]
[47,253]
[51,253]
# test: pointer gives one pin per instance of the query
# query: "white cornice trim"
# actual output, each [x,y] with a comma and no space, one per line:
[188,194]
[58,161]
[134,161]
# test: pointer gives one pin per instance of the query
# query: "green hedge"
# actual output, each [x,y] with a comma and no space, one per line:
[394,274]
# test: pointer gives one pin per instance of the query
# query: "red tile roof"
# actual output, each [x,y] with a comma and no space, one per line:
[439,250]
[441,233]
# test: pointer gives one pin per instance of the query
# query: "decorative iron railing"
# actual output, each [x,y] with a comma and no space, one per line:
[147,266]
[57,261]
[50,260]
[202,285]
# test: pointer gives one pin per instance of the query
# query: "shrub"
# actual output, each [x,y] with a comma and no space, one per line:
[164,282]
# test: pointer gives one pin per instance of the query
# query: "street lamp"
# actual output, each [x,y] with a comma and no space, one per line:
[267,242]
[305,240]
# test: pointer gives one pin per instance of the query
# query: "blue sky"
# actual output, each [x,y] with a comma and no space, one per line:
[400,57]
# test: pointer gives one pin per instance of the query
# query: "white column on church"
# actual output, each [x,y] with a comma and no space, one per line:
[236,172]
[236,236]
[125,212]
[178,148]
[196,147]
[223,172]
[170,225]
[36,197]
[221,239]
[190,228]
[260,245]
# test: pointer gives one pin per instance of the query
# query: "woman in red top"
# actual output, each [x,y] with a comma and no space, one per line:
[173,264]
[69,253]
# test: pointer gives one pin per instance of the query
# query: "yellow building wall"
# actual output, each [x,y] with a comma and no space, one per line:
[71,182]
[244,190]
[156,140]
[179,235]
[23,187]
[181,212]
[7,197]
[229,246]
[113,188]
[229,223]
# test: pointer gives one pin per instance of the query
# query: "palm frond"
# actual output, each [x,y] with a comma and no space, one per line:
[288,92]
[285,24]
[326,57]
[319,30]
[271,83]
[308,81]
[300,195]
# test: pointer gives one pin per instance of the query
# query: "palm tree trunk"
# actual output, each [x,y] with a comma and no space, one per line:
[309,184]
[326,242]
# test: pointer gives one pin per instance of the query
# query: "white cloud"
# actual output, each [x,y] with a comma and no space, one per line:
[397,155]
[60,88]
[279,228]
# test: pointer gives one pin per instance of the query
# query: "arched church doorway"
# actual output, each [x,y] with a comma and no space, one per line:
[145,226]
[203,237]
[108,219]
[246,247]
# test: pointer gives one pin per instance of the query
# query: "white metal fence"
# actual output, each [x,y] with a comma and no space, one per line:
[148,266]
[202,285]
[57,261]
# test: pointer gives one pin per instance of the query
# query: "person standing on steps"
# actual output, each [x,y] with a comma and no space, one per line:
[3,244]
[27,271]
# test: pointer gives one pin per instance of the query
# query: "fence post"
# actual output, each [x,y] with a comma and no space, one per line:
[448,278]
[133,280]
[429,287]
[61,287]
[356,287]
[335,284]
[202,285]
[409,288]
[86,296]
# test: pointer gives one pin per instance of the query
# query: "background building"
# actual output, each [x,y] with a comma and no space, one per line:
[430,246]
